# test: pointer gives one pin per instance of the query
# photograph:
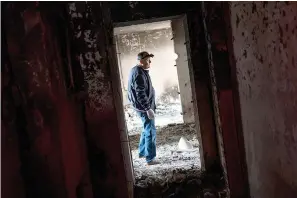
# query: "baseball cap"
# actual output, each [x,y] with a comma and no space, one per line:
[143,55]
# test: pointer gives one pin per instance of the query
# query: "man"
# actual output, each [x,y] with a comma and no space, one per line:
[141,95]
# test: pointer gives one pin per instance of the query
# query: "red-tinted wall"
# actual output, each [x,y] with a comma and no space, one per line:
[67,139]
[49,124]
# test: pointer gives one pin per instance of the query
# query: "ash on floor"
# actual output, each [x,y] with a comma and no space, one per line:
[170,162]
[178,174]
[170,128]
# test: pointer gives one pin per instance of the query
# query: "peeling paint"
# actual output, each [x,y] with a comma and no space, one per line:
[90,41]
[48,122]
[90,60]
[72,11]
[91,56]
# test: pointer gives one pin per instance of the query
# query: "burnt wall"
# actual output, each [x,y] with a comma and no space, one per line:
[91,38]
[12,185]
[199,75]
[67,141]
[131,11]
[264,40]
[46,115]
[224,94]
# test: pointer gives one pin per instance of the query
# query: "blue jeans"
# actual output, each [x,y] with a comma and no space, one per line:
[147,142]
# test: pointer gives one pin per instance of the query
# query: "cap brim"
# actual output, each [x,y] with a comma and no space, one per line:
[149,55]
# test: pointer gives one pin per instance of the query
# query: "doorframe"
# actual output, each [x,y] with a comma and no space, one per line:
[206,135]
[230,135]
[236,101]
[118,92]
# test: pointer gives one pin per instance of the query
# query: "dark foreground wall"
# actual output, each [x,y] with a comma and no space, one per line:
[46,120]
[51,138]
[92,40]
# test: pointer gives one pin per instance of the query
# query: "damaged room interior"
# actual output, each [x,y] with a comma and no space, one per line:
[219,106]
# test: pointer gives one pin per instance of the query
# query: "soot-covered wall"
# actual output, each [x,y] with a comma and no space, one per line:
[59,122]
[46,119]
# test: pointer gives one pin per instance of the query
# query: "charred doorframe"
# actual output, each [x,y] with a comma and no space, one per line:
[204,104]
[236,101]
[124,133]
[216,20]
[154,11]
[210,158]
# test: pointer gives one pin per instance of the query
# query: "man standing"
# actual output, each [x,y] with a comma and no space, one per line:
[141,95]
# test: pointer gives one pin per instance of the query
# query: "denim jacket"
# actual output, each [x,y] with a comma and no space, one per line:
[141,92]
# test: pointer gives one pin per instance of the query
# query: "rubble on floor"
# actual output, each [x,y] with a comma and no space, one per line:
[170,161]
[200,185]
[179,173]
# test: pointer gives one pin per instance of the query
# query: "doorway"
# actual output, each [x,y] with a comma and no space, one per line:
[175,119]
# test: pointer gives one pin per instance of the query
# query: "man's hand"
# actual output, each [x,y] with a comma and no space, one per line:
[150,114]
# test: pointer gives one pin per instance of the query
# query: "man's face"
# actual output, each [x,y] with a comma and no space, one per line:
[146,62]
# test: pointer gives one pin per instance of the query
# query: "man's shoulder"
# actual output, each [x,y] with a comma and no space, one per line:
[136,70]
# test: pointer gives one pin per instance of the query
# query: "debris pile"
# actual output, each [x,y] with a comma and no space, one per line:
[167,142]
[170,128]
[179,173]
[184,185]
